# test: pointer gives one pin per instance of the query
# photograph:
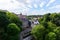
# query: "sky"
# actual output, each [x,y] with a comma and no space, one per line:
[31,7]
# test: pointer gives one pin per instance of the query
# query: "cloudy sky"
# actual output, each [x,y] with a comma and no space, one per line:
[31,7]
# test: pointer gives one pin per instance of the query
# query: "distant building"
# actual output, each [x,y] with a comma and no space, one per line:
[24,20]
[21,15]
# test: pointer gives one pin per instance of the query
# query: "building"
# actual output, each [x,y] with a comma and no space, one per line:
[24,20]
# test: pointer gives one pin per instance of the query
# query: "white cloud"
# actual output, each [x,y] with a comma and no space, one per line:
[42,4]
[30,6]
[55,7]
[28,1]
[35,6]
[8,4]
[40,12]
[51,1]
[13,5]
[4,1]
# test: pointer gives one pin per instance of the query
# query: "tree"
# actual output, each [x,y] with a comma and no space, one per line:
[50,36]
[51,25]
[10,26]
[3,19]
[13,32]
[13,19]
[38,32]
[57,31]
[55,18]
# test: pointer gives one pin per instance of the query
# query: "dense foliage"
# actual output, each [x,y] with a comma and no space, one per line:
[13,19]
[13,32]
[10,26]
[49,27]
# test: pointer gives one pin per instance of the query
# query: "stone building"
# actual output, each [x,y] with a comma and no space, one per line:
[24,20]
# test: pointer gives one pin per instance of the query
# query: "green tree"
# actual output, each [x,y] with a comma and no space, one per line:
[57,31]
[51,24]
[13,32]
[50,36]
[10,26]
[3,19]
[55,18]
[51,27]
[13,19]
[38,32]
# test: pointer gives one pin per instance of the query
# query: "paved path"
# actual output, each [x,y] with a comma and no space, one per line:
[26,35]
[28,38]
